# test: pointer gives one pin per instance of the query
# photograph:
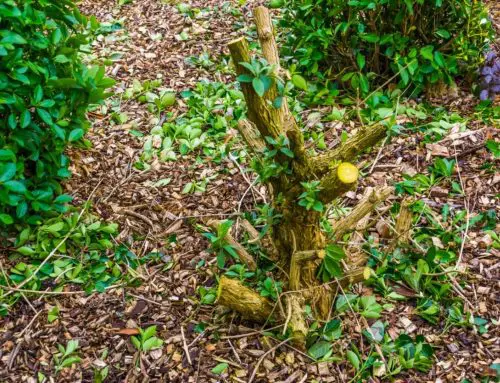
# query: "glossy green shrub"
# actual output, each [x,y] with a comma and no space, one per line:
[45,91]
[366,42]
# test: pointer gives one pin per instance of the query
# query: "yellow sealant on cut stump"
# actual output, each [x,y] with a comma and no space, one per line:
[347,173]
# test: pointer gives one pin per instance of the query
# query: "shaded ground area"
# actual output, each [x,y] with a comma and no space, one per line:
[148,45]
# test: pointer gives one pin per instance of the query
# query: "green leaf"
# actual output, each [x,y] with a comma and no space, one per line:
[7,155]
[55,228]
[426,52]
[15,186]
[319,349]
[344,301]
[10,37]
[353,359]
[220,368]
[7,171]
[258,86]
[369,37]
[53,314]
[149,332]
[363,83]
[439,59]
[6,219]
[38,94]
[360,59]
[151,344]
[21,209]
[70,361]
[136,342]
[443,33]
[25,119]
[245,78]
[45,116]
[71,347]
[494,147]
[299,82]
[63,198]
[75,134]
[287,152]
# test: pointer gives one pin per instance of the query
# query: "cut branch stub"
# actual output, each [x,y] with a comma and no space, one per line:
[364,207]
[269,120]
[264,24]
[295,320]
[367,137]
[247,302]
[403,225]
[332,187]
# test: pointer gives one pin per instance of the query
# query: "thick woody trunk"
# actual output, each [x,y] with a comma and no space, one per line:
[297,239]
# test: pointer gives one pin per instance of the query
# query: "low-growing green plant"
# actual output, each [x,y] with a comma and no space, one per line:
[76,248]
[269,288]
[219,245]
[212,110]
[67,356]
[45,91]
[208,295]
[146,340]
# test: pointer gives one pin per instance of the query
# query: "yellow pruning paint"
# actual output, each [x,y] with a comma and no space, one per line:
[347,172]
[367,272]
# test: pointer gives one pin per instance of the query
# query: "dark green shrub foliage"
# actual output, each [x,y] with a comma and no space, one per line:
[363,41]
[45,91]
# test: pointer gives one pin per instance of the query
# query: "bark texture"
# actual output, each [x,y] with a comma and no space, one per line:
[247,302]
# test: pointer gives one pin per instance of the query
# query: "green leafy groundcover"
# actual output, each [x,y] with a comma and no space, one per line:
[45,91]
[359,42]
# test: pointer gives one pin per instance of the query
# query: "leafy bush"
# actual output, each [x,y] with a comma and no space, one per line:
[419,42]
[45,91]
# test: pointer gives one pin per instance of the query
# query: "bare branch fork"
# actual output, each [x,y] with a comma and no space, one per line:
[298,239]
